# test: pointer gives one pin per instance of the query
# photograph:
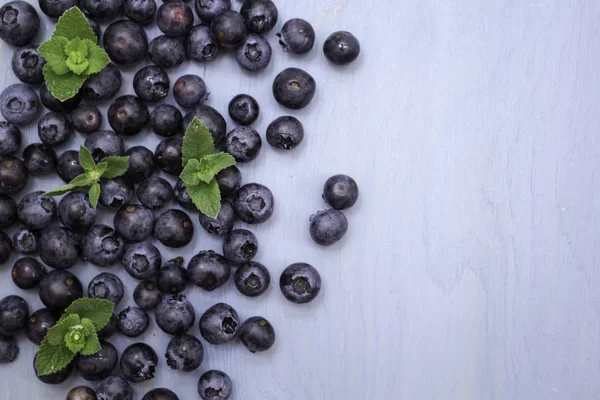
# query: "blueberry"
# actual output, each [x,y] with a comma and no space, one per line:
[109,329]
[5,247]
[340,192]
[103,85]
[341,48]
[254,54]
[254,203]
[56,8]
[168,155]
[229,180]
[36,211]
[175,19]
[154,192]
[25,240]
[252,279]
[297,36]
[138,363]
[132,322]
[228,29]
[240,245]
[102,9]
[19,23]
[10,138]
[243,143]
[14,175]
[215,385]
[106,286]
[86,118]
[8,211]
[134,222]
[151,83]
[128,115]
[14,314]
[285,133]
[19,104]
[114,388]
[55,129]
[182,196]
[39,159]
[257,334]
[189,91]
[68,167]
[56,378]
[300,283]
[294,88]
[224,221]
[8,349]
[185,353]
[140,11]
[175,315]
[208,270]
[172,278]
[166,120]
[142,163]
[58,247]
[27,64]
[142,260]
[38,324]
[147,296]
[327,227]
[104,144]
[116,192]
[174,228]
[160,394]
[102,246]
[81,393]
[27,273]
[211,118]
[219,324]
[260,15]
[207,10]
[54,104]
[244,109]
[76,213]
[99,365]
[199,44]
[125,42]
[167,52]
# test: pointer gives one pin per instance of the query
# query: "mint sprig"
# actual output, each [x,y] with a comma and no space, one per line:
[74,333]
[200,166]
[72,55]
[108,168]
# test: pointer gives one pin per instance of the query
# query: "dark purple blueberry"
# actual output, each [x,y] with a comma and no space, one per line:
[55,129]
[174,228]
[300,283]
[106,286]
[208,270]
[151,83]
[285,133]
[6,247]
[294,88]
[167,52]
[14,313]
[254,203]
[138,362]
[116,192]
[243,143]
[219,324]
[99,365]
[260,15]
[211,118]
[228,29]
[166,120]
[175,19]
[341,48]
[207,10]
[182,196]
[244,109]
[215,385]
[142,163]
[132,322]
[252,279]
[172,278]
[10,138]
[185,353]
[86,118]
[104,144]
[154,192]
[38,324]
[103,85]
[58,247]
[27,273]
[254,54]
[199,45]
[257,334]
[140,11]
[102,9]
[20,23]
[240,245]
[14,175]
[57,377]
[224,221]
[297,36]
[147,295]
[58,289]
[128,115]
[102,246]
[36,211]
[229,180]
[76,213]
[19,104]
[81,393]
[68,167]
[189,91]
[8,211]
[8,349]
[142,260]
[96,28]
[114,388]
[327,227]
[125,42]
[56,8]
[168,155]
[134,222]
[109,329]
[39,159]
[25,240]
[27,64]
[175,315]
[54,104]
[340,192]
[160,394]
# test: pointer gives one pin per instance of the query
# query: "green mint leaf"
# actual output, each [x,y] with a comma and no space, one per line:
[88,326]
[206,197]
[73,24]
[82,180]
[53,52]
[94,196]
[63,87]
[117,166]
[77,56]
[51,359]
[56,333]
[85,159]
[92,345]
[96,310]
[77,45]
[197,142]
[189,174]
[60,190]
[97,58]
[75,338]
[211,164]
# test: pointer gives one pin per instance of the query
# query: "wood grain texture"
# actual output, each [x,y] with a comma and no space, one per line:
[470,270]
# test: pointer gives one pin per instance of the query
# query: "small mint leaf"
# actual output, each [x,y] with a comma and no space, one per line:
[53,52]
[76,45]
[197,142]
[97,57]
[56,333]
[73,24]
[94,195]
[189,175]
[101,167]
[75,338]
[211,164]
[50,359]
[117,166]
[60,190]
[81,181]
[206,197]
[86,160]
[63,87]
[77,63]
[88,326]
[92,345]
[96,310]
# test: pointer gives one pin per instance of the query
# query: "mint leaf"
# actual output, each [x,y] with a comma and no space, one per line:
[73,24]
[63,87]
[56,333]
[97,58]
[117,166]
[60,190]
[211,164]
[75,338]
[92,345]
[197,142]
[81,180]
[189,174]
[86,160]
[94,196]
[76,45]
[96,310]
[206,197]
[50,359]
[88,326]
[54,54]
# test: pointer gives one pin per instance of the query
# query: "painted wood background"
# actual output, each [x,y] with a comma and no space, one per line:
[471,266]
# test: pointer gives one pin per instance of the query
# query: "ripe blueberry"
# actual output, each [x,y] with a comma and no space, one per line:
[27,64]
[208,270]
[151,83]
[172,278]
[142,163]
[86,118]
[102,246]
[132,322]
[106,286]
[252,279]
[300,283]
[240,245]
[257,334]
[19,104]
[134,222]
[215,385]
[116,192]
[260,15]
[297,36]
[154,192]
[27,273]
[340,192]
[175,19]
[174,228]
[58,247]
[341,48]
[219,324]
[285,133]
[166,120]
[254,203]
[175,315]
[147,296]
[243,143]
[224,221]
[327,227]
[142,260]
[167,52]
[184,352]
[229,29]
[294,88]
[38,324]
[55,128]
[59,288]
[14,175]
[199,44]
[39,159]
[125,41]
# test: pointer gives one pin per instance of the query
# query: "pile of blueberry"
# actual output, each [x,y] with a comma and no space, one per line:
[60,233]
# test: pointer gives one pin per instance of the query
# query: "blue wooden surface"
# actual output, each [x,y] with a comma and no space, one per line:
[470,269]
